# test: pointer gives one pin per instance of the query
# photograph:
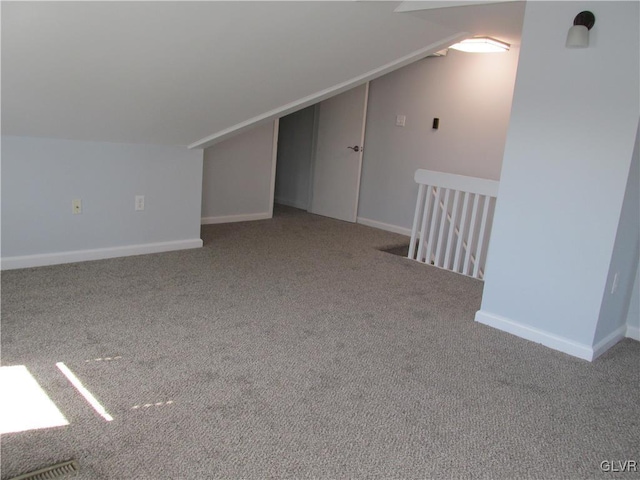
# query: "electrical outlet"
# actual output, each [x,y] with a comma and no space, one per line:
[139,202]
[76,206]
[401,120]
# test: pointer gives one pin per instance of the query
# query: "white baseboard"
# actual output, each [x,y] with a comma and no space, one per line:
[609,341]
[632,332]
[384,226]
[291,203]
[245,217]
[547,339]
[41,260]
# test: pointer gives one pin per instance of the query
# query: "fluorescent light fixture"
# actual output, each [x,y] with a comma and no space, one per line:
[481,45]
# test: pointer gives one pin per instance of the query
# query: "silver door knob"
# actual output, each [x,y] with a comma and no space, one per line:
[355,149]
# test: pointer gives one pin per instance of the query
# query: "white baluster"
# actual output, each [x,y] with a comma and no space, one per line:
[416,218]
[463,222]
[443,224]
[423,228]
[432,227]
[483,224]
[464,253]
[452,226]
[472,228]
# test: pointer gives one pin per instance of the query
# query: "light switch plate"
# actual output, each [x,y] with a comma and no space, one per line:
[76,206]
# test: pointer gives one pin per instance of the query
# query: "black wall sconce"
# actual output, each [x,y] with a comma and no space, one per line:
[578,36]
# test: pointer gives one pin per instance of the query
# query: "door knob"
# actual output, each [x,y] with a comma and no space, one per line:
[355,149]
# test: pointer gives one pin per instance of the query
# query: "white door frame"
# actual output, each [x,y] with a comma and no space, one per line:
[364,128]
[316,119]
[274,161]
[314,141]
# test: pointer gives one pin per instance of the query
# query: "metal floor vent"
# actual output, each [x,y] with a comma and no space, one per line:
[54,471]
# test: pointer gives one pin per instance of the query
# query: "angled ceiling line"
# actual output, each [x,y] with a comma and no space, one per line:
[415,5]
[327,93]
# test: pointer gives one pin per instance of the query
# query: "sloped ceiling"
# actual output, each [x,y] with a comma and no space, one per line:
[501,20]
[191,73]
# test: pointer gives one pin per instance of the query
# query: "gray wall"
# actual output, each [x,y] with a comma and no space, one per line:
[293,170]
[569,147]
[40,178]
[624,261]
[470,93]
[237,177]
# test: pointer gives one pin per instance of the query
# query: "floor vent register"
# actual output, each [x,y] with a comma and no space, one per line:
[59,470]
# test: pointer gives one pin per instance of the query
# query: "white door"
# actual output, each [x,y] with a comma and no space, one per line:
[338,155]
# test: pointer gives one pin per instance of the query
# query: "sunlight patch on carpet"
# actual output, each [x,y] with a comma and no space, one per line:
[82,390]
[24,405]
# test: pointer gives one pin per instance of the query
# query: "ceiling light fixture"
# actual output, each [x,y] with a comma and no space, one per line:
[481,45]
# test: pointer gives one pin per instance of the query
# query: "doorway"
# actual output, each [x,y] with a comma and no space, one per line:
[319,159]
[294,164]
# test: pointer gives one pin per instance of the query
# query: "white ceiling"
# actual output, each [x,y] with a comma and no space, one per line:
[412,5]
[502,21]
[180,72]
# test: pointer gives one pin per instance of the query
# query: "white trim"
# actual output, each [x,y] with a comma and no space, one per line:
[361,155]
[547,339]
[384,226]
[290,203]
[41,260]
[632,332]
[609,341]
[413,5]
[245,217]
[328,92]
[274,160]
[481,186]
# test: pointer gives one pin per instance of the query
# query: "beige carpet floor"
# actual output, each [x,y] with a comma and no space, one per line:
[294,348]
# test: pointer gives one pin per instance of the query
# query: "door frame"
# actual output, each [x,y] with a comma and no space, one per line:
[361,159]
[274,161]
[314,146]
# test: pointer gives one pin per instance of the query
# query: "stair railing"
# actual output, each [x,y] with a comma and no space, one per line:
[448,229]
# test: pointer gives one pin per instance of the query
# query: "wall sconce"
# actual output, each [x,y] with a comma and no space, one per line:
[578,36]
